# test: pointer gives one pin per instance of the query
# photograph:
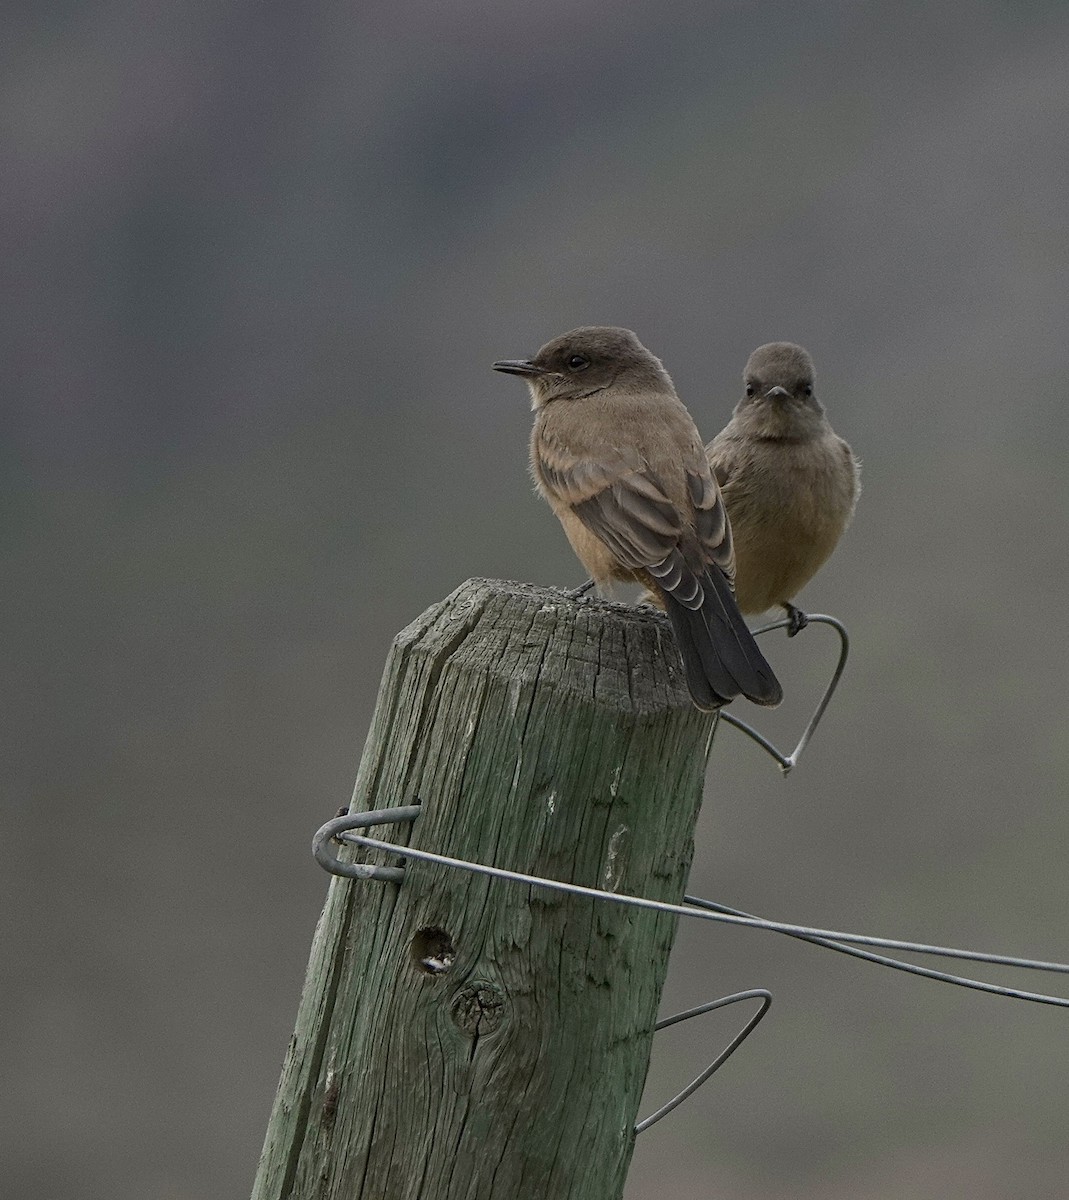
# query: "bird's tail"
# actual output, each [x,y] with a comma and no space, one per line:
[720,657]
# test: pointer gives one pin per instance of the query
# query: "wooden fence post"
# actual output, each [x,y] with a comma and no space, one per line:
[544,735]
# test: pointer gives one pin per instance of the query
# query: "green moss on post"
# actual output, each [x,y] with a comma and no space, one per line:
[547,736]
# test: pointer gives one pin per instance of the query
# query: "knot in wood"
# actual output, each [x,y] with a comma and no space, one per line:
[478,1008]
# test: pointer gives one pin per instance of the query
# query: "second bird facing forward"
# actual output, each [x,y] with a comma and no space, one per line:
[789,481]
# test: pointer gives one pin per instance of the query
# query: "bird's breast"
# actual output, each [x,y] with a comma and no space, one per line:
[788,506]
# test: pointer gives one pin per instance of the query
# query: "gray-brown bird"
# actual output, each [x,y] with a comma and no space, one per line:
[789,482]
[620,462]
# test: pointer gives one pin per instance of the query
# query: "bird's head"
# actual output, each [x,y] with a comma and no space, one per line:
[585,361]
[780,373]
[779,391]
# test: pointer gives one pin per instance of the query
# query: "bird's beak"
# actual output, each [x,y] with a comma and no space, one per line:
[519,366]
[777,391]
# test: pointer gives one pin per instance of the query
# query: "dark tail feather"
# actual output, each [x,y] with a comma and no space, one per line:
[720,657]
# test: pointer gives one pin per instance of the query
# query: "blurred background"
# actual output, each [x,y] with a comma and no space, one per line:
[258,260]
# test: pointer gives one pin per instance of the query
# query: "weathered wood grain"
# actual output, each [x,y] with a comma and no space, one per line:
[541,734]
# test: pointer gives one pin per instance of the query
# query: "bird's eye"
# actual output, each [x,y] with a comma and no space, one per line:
[808,389]
[578,362]
[750,389]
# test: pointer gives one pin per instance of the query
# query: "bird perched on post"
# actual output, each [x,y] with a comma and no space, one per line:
[789,482]
[620,462]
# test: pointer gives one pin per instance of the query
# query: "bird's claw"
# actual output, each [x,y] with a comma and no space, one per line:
[581,590]
[798,620]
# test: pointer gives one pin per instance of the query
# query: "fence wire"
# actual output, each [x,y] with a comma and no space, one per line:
[341,830]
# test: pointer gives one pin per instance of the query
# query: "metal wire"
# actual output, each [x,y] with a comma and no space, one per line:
[710,911]
[754,994]
[341,830]
[822,936]
[788,762]
[335,830]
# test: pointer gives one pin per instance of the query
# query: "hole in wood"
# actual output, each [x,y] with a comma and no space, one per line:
[432,951]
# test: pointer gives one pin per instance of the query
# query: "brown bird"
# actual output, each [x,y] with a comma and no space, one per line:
[789,482]
[620,462]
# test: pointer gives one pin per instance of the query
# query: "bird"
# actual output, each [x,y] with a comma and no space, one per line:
[789,482]
[622,465]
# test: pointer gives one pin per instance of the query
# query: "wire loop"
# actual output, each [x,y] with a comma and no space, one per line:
[754,994]
[338,830]
[788,762]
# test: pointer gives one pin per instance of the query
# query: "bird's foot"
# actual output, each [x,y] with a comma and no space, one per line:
[798,620]
[581,590]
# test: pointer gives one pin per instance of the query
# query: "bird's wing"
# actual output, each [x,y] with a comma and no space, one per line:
[623,501]
[676,531]
[710,516]
[617,497]
[719,653]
